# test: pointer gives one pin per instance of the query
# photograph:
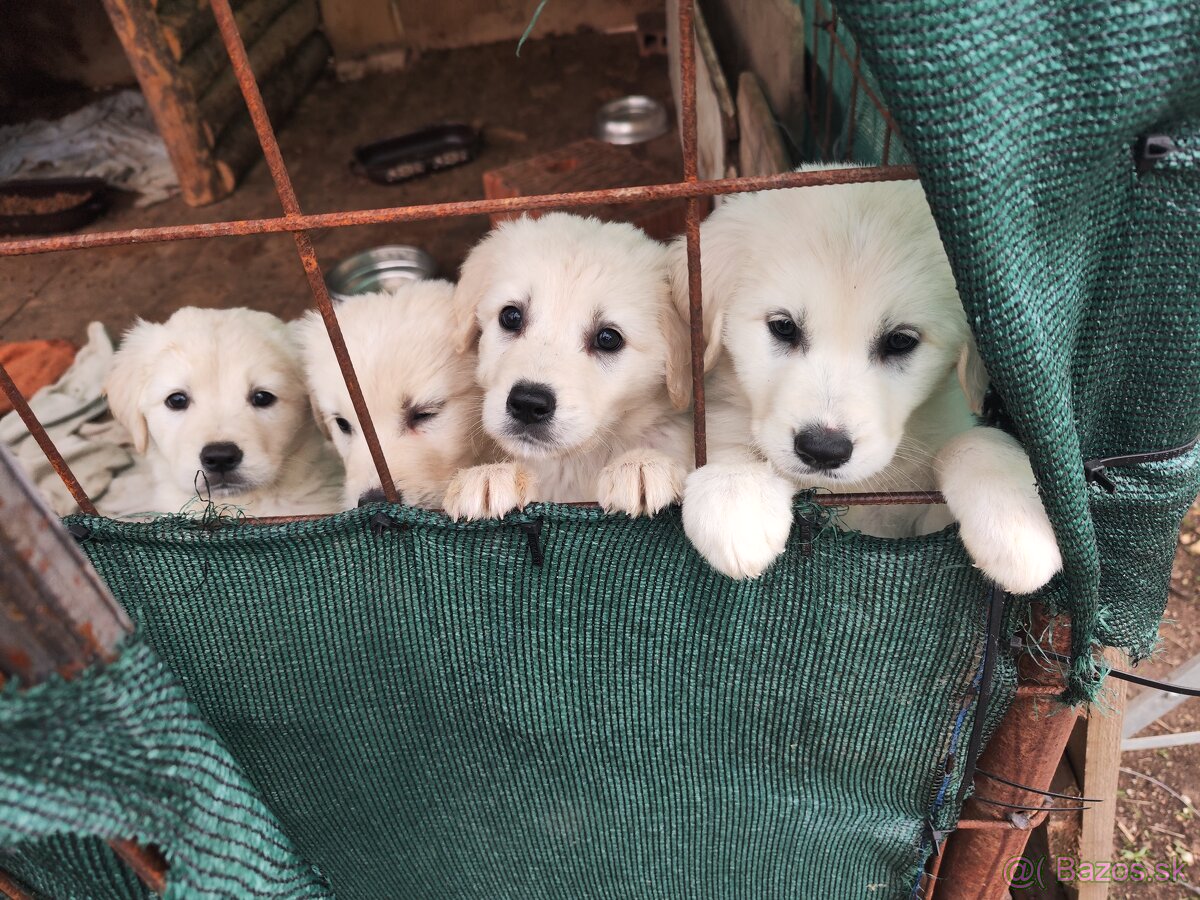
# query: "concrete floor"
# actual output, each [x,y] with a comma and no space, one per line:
[527,105]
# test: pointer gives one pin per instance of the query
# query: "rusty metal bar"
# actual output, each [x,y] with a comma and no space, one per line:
[147,863]
[1025,748]
[295,223]
[880,498]
[56,614]
[11,889]
[308,257]
[21,405]
[691,174]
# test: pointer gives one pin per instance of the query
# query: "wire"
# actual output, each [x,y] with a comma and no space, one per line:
[1025,787]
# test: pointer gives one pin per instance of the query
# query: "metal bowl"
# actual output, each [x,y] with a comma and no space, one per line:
[631,120]
[378,269]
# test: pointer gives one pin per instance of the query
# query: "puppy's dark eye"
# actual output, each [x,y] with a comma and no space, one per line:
[262,399]
[417,416]
[342,424]
[785,330]
[609,340]
[898,343]
[178,400]
[511,318]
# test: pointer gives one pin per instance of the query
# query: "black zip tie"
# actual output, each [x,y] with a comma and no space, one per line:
[1031,809]
[79,531]
[381,522]
[806,534]
[1093,469]
[533,532]
[1032,790]
[991,649]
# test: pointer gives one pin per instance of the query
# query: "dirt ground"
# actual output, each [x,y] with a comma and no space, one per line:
[1158,823]
[527,105]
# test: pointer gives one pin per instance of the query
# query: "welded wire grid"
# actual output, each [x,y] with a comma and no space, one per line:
[298,224]
[848,121]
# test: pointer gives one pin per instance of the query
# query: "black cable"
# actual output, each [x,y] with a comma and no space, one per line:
[1032,809]
[1129,676]
[991,649]
[1025,787]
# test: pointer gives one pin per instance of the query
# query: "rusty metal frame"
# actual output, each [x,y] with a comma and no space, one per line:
[827,20]
[295,222]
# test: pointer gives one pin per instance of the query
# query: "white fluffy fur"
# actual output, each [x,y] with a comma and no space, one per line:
[848,264]
[220,358]
[402,344]
[620,434]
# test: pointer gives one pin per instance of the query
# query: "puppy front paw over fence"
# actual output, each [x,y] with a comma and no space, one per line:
[564,704]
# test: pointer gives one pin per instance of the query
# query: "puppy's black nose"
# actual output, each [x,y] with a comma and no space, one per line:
[823,448]
[223,456]
[531,403]
[374,495]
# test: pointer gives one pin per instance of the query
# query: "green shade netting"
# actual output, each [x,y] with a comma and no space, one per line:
[429,713]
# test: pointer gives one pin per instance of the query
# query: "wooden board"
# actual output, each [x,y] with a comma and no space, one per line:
[716,114]
[765,37]
[1098,757]
[760,147]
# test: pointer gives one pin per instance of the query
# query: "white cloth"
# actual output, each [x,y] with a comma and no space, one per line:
[97,449]
[113,138]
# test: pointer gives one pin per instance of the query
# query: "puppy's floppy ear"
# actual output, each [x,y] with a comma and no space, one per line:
[319,416]
[127,380]
[677,339]
[308,336]
[472,283]
[972,375]
[719,250]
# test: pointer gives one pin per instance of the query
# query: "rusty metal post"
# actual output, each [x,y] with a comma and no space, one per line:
[56,615]
[690,139]
[308,256]
[1026,749]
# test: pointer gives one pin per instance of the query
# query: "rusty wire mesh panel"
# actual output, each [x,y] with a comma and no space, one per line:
[847,118]
[298,224]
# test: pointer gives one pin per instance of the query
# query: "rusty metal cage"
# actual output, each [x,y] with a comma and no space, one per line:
[848,120]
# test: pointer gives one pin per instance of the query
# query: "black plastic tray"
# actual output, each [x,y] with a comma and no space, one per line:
[417,154]
[91,207]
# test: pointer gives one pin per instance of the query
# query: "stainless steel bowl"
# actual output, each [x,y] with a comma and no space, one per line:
[631,120]
[379,269]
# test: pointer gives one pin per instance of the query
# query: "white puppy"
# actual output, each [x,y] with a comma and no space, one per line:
[834,332]
[216,400]
[420,391]
[584,365]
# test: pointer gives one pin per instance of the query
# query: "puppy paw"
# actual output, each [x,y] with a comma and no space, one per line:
[991,490]
[488,492]
[640,483]
[738,516]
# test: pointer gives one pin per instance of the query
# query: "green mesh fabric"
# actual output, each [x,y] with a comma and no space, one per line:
[120,753]
[429,713]
[1081,276]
